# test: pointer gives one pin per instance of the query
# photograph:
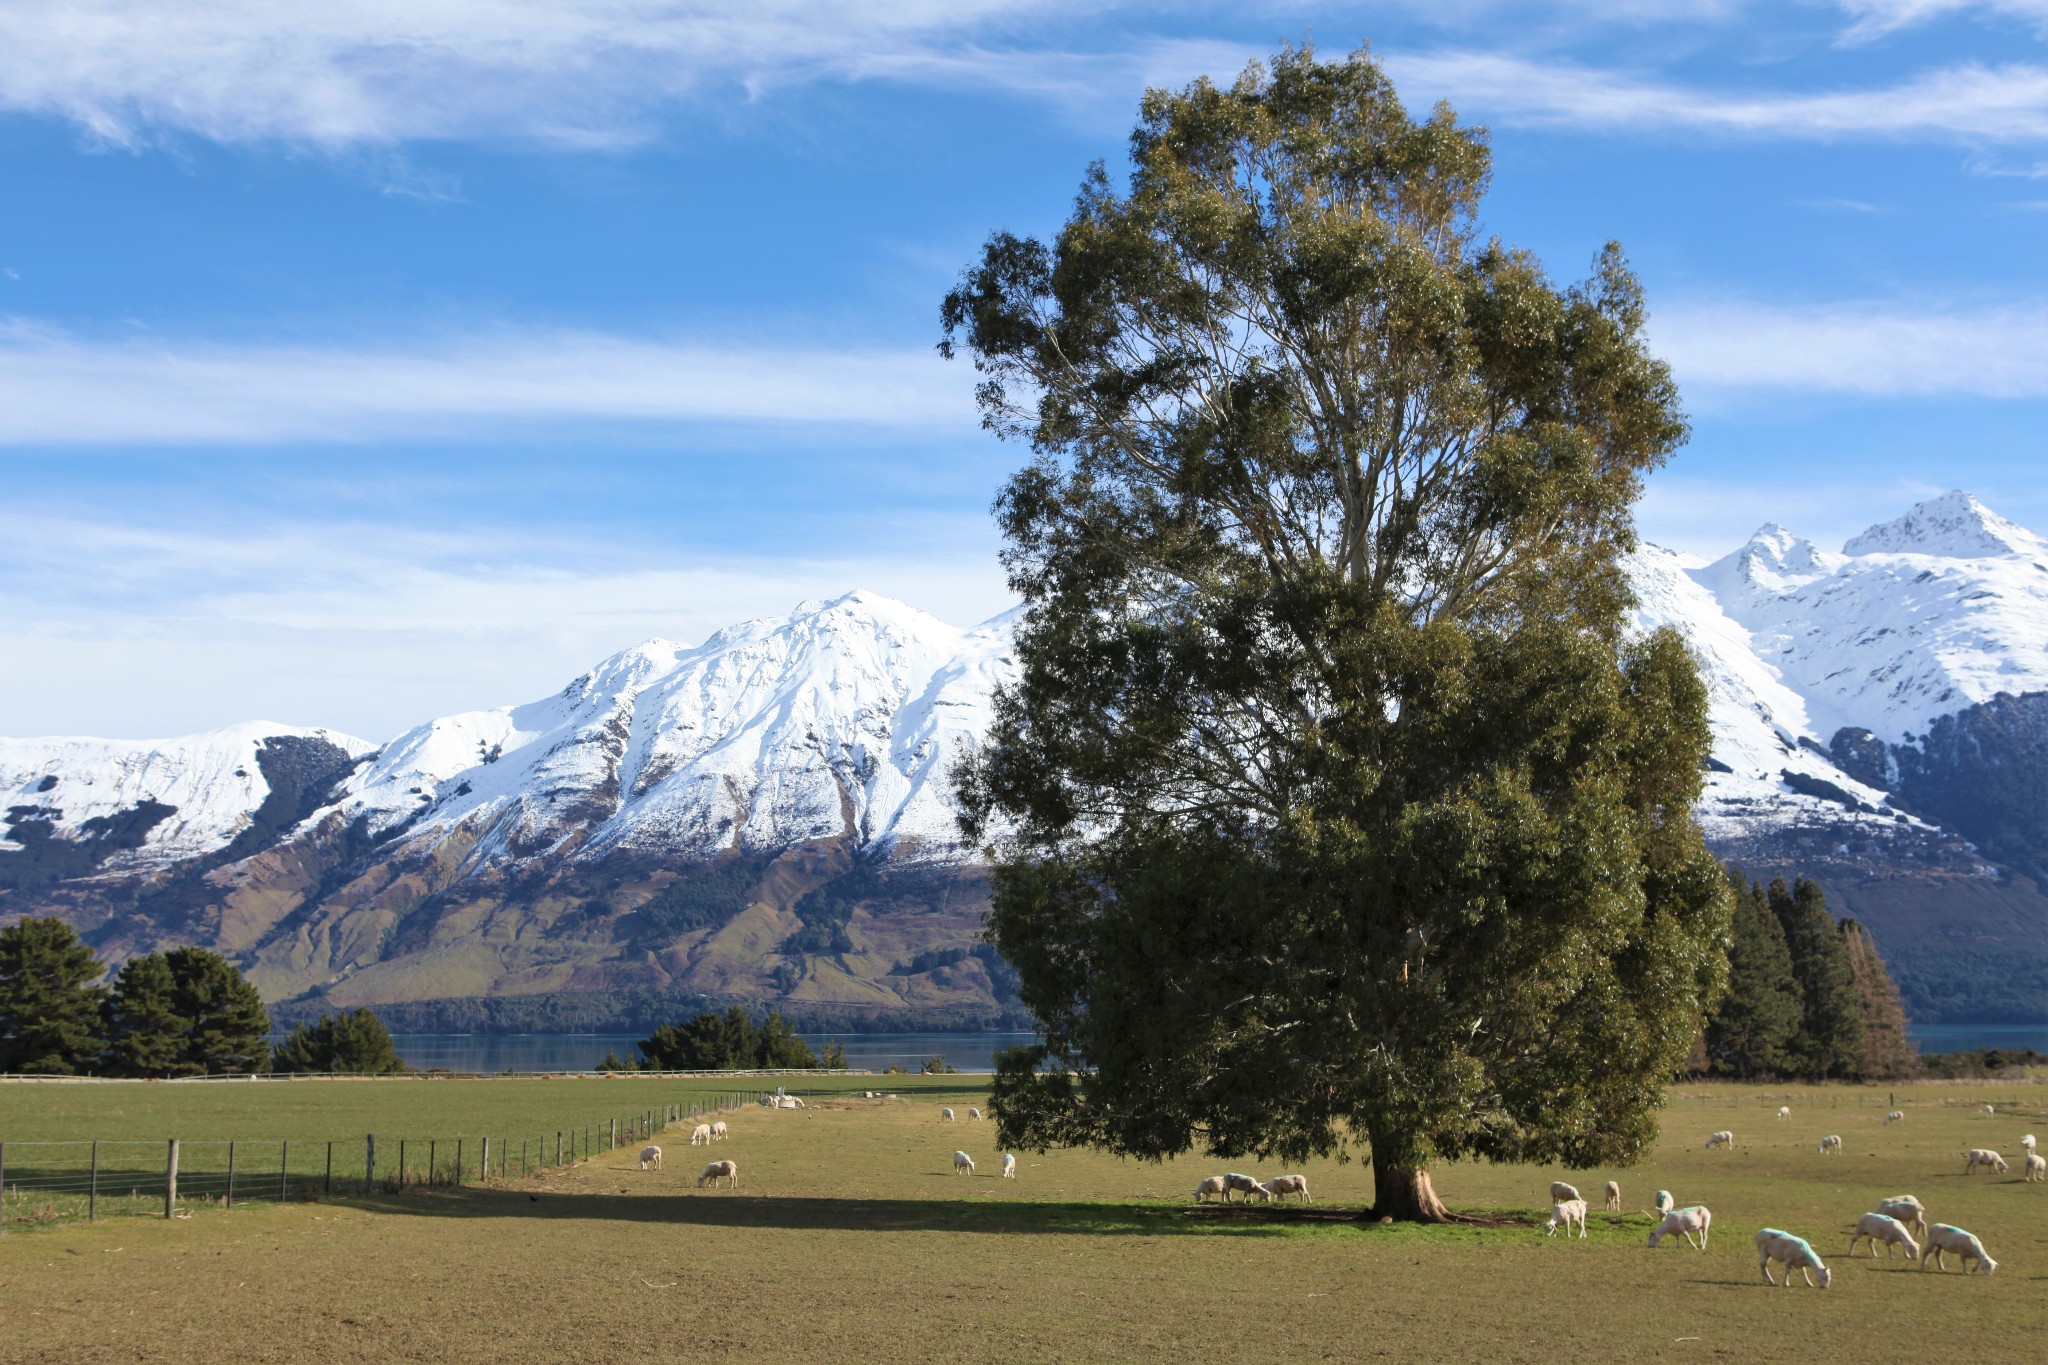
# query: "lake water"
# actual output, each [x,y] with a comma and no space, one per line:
[494,1052]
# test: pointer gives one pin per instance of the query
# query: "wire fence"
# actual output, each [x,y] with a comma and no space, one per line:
[44,1183]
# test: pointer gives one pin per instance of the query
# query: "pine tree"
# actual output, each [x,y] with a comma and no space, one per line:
[145,1034]
[1888,1049]
[354,1042]
[1832,1012]
[49,1002]
[1756,1032]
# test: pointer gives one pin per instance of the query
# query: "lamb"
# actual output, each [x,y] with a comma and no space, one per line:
[1724,1138]
[1784,1111]
[1895,1116]
[1983,1156]
[719,1132]
[947,1114]
[1614,1196]
[1880,1227]
[1215,1184]
[717,1171]
[1242,1184]
[1831,1143]
[1560,1192]
[2027,1142]
[1664,1201]
[1286,1184]
[973,1114]
[1564,1214]
[1686,1221]
[650,1156]
[1908,1210]
[701,1134]
[2036,1168]
[1794,1253]
[1009,1166]
[963,1164]
[1941,1237]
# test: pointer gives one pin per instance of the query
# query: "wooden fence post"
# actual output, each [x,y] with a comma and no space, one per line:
[92,1197]
[458,1161]
[231,1172]
[401,1163]
[327,1181]
[615,1133]
[433,1166]
[369,1162]
[3,1188]
[171,1179]
[483,1165]
[284,1170]
[558,1146]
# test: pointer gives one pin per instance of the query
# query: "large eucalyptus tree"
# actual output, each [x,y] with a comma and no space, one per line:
[1335,806]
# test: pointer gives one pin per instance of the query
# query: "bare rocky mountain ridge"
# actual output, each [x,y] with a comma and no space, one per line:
[766,816]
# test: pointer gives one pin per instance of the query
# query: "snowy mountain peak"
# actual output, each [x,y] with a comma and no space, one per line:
[1955,526]
[1772,562]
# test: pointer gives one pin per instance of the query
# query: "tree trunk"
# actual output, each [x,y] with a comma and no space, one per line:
[1404,1194]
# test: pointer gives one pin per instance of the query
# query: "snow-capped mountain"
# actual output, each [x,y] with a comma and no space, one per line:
[768,813]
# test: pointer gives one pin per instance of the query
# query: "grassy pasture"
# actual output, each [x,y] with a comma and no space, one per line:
[850,1239]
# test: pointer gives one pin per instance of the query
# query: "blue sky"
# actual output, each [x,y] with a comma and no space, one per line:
[363,362]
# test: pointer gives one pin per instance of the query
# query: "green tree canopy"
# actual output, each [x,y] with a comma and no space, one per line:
[187,1012]
[727,1042]
[354,1042]
[1334,802]
[145,1034]
[1832,1010]
[1756,1032]
[49,1000]
[1888,1052]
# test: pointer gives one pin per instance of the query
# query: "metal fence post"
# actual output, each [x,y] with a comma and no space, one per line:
[171,1180]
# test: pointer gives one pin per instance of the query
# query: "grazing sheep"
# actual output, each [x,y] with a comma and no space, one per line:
[1879,1227]
[1794,1254]
[963,1164]
[650,1156]
[1686,1221]
[1287,1184]
[1614,1196]
[1983,1156]
[700,1134]
[1991,1109]
[1564,1214]
[2036,1167]
[947,1114]
[1941,1237]
[1831,1143]
[1009,1166]
[1664,1202]
[1895,1116]
[717,1171]
[1559,1192]
[1907,1210]
[1784,1111]
[719,1133]
[1724,1138]
[973,1114]
[1244,1185]
[1214,1185]
[2027,1142]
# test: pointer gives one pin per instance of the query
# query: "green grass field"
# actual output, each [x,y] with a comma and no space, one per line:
[850,1239]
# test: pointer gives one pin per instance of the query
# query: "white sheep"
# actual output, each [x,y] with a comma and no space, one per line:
[1242,1184]
[2027,1142]
[1724,1138]
[700,1134]
[1286,1184]
[2036,1167]
[1895,1116]
[650,1156]
[1880,1227]
[1941,1237]
[973,1114]
[1560,1192]
[1831,1144]
[1664,1202]
[719,1132]
[791,1102]
[719,1170]
[1991,1109]
[1908,1210]
[1564,1214]
[1009,1166]
[1614,1196]
[1213,1185]
[1794,1254]
[1983,1156]
[1686,1221]
[947,1113]
[963,1164]
[1784,1111]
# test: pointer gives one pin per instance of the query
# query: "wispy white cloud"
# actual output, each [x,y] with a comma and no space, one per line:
[1877,350]
[60,389]
[1875,19]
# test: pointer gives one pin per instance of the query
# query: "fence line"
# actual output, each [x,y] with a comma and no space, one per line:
[279,1077]
[43,1183]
